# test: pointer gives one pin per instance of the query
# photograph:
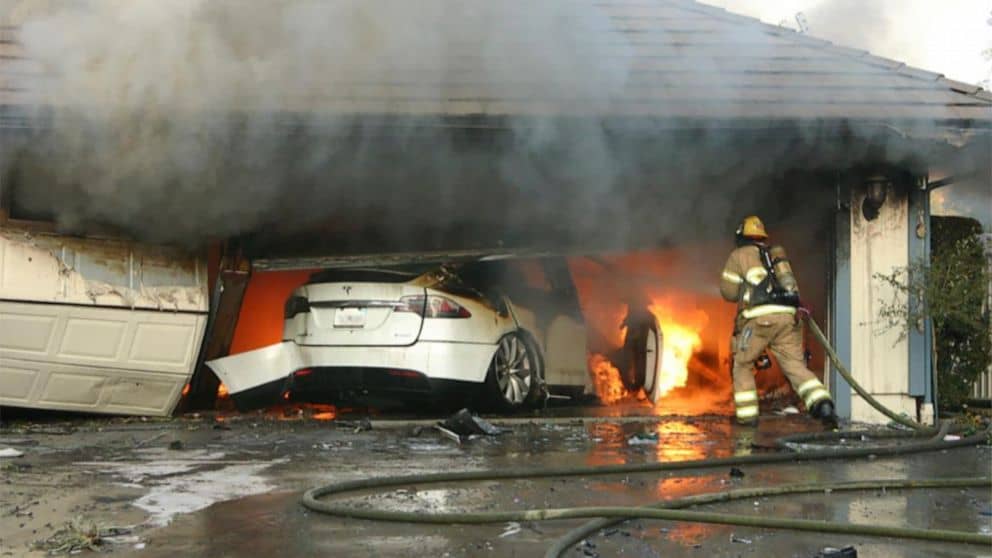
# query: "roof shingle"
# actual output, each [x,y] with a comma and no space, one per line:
[684,60]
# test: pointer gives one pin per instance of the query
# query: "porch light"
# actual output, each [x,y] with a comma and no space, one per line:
[876,189]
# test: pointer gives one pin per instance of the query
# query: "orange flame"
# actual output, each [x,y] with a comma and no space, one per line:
[330,412]
[606,377]
[695,325]
[680,339]
[301,411]
[222,392]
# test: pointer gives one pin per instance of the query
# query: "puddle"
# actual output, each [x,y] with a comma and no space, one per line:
[179,482]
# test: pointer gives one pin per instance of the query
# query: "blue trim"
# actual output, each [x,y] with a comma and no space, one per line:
[840,325]
[919,251]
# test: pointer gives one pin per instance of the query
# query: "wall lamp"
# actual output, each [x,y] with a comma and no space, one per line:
[876,190]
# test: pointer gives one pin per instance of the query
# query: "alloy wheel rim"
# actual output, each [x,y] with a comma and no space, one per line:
[514,370]
[650,360]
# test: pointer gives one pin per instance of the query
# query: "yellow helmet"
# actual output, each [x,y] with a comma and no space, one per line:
[752,227]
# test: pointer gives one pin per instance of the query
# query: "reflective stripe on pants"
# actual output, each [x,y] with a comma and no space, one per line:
[747,404]
[812,391]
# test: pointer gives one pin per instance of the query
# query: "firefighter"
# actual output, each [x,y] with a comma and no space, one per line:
[759,279]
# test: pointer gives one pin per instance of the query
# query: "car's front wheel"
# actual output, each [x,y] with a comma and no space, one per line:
[514,373]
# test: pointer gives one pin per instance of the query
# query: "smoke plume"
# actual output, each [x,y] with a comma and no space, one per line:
[383,123]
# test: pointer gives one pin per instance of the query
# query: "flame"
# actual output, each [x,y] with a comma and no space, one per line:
[695,324]
[222,392]
[606,378]
[186,389]
[680,342]
[301,411]
[286,412]
[324,412]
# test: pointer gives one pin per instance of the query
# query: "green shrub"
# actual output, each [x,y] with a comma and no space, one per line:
[952,292]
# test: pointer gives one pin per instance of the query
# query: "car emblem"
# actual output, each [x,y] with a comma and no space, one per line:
[347,289]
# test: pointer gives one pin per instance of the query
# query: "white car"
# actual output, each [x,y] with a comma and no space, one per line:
[505,334]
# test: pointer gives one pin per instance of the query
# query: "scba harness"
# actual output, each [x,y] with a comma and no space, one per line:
[770,288]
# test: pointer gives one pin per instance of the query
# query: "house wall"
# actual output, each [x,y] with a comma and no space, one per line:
[879,355]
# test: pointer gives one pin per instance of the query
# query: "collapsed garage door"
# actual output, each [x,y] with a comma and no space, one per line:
[97,325]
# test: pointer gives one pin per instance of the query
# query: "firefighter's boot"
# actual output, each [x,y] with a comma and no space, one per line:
[824,411]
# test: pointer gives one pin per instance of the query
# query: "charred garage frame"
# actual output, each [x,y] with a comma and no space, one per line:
[312,138]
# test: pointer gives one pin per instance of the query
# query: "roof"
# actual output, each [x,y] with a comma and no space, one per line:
[678,59]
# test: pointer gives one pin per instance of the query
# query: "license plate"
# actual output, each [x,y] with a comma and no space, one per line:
[349,317]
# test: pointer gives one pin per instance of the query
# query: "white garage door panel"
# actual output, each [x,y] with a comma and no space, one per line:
[102,337]
[142,393]
[73,388]
[26,332]
[162,344]
[103,360]
[16,383]
[94,390]
[94,339]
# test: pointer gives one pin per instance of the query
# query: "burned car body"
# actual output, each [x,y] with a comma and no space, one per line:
[504,334]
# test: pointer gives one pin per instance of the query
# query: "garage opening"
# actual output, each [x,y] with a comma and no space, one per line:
[677,286]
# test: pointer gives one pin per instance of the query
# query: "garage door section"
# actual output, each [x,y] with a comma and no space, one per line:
[97,325]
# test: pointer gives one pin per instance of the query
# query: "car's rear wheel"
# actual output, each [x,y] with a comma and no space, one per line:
[513,374]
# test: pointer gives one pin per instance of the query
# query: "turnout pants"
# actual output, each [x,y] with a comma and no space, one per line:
[782,334]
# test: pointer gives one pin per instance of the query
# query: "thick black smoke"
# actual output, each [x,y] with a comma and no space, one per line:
[384,123]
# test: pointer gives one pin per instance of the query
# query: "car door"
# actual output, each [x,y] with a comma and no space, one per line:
[565,335]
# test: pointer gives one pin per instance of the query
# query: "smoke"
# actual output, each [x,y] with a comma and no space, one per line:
[383,123]
[193,117]
[864,24]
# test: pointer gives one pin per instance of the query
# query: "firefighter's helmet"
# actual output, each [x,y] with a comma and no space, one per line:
[752,227]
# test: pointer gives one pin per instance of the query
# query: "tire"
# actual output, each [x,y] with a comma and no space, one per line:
[648,358]
[640,347]
[514,374]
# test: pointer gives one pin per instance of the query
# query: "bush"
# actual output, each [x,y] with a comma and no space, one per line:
[952,292]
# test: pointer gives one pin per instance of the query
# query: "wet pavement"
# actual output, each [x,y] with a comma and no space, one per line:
[194,487]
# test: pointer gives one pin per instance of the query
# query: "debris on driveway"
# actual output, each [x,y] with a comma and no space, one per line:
[512,528]
[10,452]
[79,535]
[463,426]
[790,410]
[830,552]
[643,438]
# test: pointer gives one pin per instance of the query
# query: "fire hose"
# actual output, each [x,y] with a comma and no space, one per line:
[313,499]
